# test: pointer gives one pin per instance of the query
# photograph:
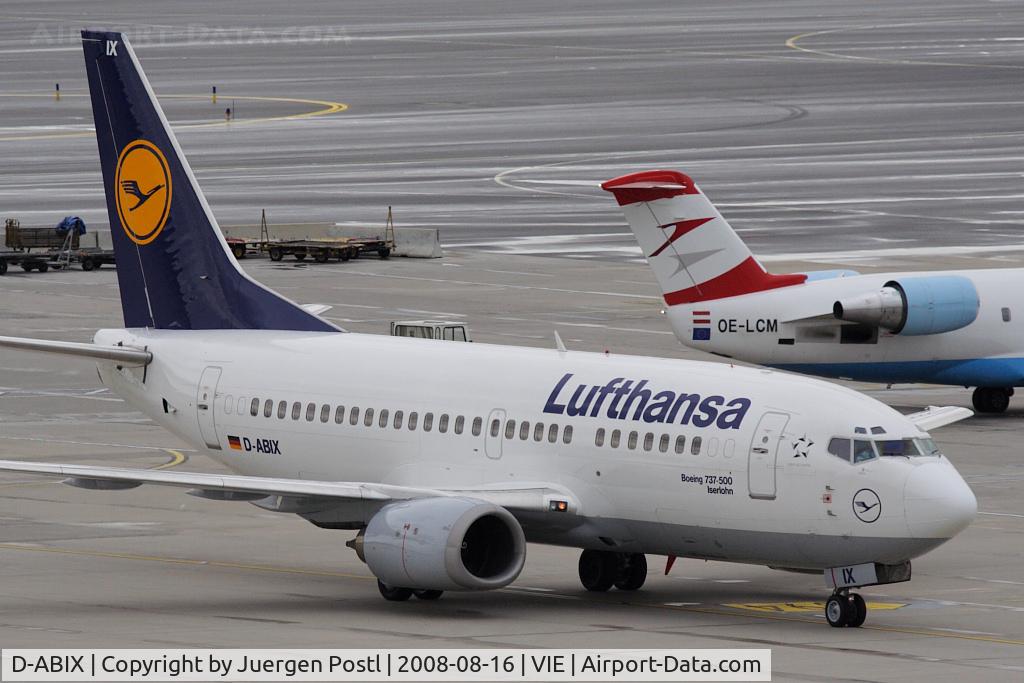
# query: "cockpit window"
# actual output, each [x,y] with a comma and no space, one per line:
[840,448]
[878,430]
[928,447]
[863,450]
[904,447]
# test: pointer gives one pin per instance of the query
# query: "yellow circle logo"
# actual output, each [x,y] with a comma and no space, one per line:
[143,189]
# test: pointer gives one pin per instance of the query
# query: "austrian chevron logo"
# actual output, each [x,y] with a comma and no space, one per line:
[142,188]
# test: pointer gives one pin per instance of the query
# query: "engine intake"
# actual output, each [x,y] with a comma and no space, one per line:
[461,544]
[915,305]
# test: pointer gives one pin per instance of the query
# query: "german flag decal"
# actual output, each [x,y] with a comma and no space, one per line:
[234,442]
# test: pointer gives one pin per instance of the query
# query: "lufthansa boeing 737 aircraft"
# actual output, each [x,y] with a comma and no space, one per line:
[948,327]
[448,465]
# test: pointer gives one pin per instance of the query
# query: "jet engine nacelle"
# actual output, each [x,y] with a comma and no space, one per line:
[460,544]
[915,305]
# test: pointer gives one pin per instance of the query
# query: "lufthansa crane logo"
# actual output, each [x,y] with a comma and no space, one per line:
[142,187]
[866,505]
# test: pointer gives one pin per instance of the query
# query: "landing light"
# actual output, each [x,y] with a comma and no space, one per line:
[558,506]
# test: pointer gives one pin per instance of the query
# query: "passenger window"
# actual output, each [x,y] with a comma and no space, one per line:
[282,409]
[729,449]
[398,419]
[663,444]
[538,431]
[428,421]
[310,411]
[840,448]
[680,445]
[863,450]
[1006,315]
[552,433]
[567,434]
[353,416]
[616,435]
[478,423]
[268,408]
[510,429]
[649,441]
[325,413]
[241,405]
[599,437]
[368,418]
[442,424]
[383,420]
[413,418]
[631,444]
[524,430]
[296,410]
[695,446]
[712,447]
[495,427]
[229,405]
[254,407]
[459,424]
[339,415]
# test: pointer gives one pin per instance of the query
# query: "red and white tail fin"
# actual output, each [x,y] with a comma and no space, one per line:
[695,254]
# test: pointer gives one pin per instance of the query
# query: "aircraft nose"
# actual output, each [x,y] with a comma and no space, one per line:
[937,501]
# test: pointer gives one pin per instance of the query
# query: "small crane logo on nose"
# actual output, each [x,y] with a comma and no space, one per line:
[867,506]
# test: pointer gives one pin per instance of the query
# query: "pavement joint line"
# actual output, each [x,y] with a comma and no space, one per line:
[180,560]
[311,572]
[326,107]
[868,627]
[792,43]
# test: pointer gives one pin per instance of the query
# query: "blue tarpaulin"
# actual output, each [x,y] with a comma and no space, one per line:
[72,223]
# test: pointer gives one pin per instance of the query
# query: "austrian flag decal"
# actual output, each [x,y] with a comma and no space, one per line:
[701,325]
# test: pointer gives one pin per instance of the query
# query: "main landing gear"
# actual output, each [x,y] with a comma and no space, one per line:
[397,594]
[602,569]
[992,399]
[844,608]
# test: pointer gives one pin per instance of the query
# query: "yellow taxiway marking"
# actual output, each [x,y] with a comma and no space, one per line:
[803,606]
[818,622]
[177,458]
[321,108]
[793,44]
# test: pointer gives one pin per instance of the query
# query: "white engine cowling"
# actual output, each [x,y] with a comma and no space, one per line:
[460,544]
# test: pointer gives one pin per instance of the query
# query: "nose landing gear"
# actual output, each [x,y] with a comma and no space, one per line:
[844,608]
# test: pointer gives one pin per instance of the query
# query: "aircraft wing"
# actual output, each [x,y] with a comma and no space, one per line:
[526,496]
[934,417]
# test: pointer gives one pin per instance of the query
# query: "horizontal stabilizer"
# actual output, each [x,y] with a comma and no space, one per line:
[120,354]
[934,417]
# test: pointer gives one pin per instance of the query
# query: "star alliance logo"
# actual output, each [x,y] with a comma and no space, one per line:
[801,446]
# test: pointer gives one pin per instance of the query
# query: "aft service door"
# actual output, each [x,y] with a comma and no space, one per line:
[764,449]
[493,432]
[205,401]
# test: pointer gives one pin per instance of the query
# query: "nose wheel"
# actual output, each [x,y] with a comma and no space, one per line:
[845,609]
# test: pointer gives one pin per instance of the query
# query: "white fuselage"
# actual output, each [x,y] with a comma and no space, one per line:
[759,488]
[793,328]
